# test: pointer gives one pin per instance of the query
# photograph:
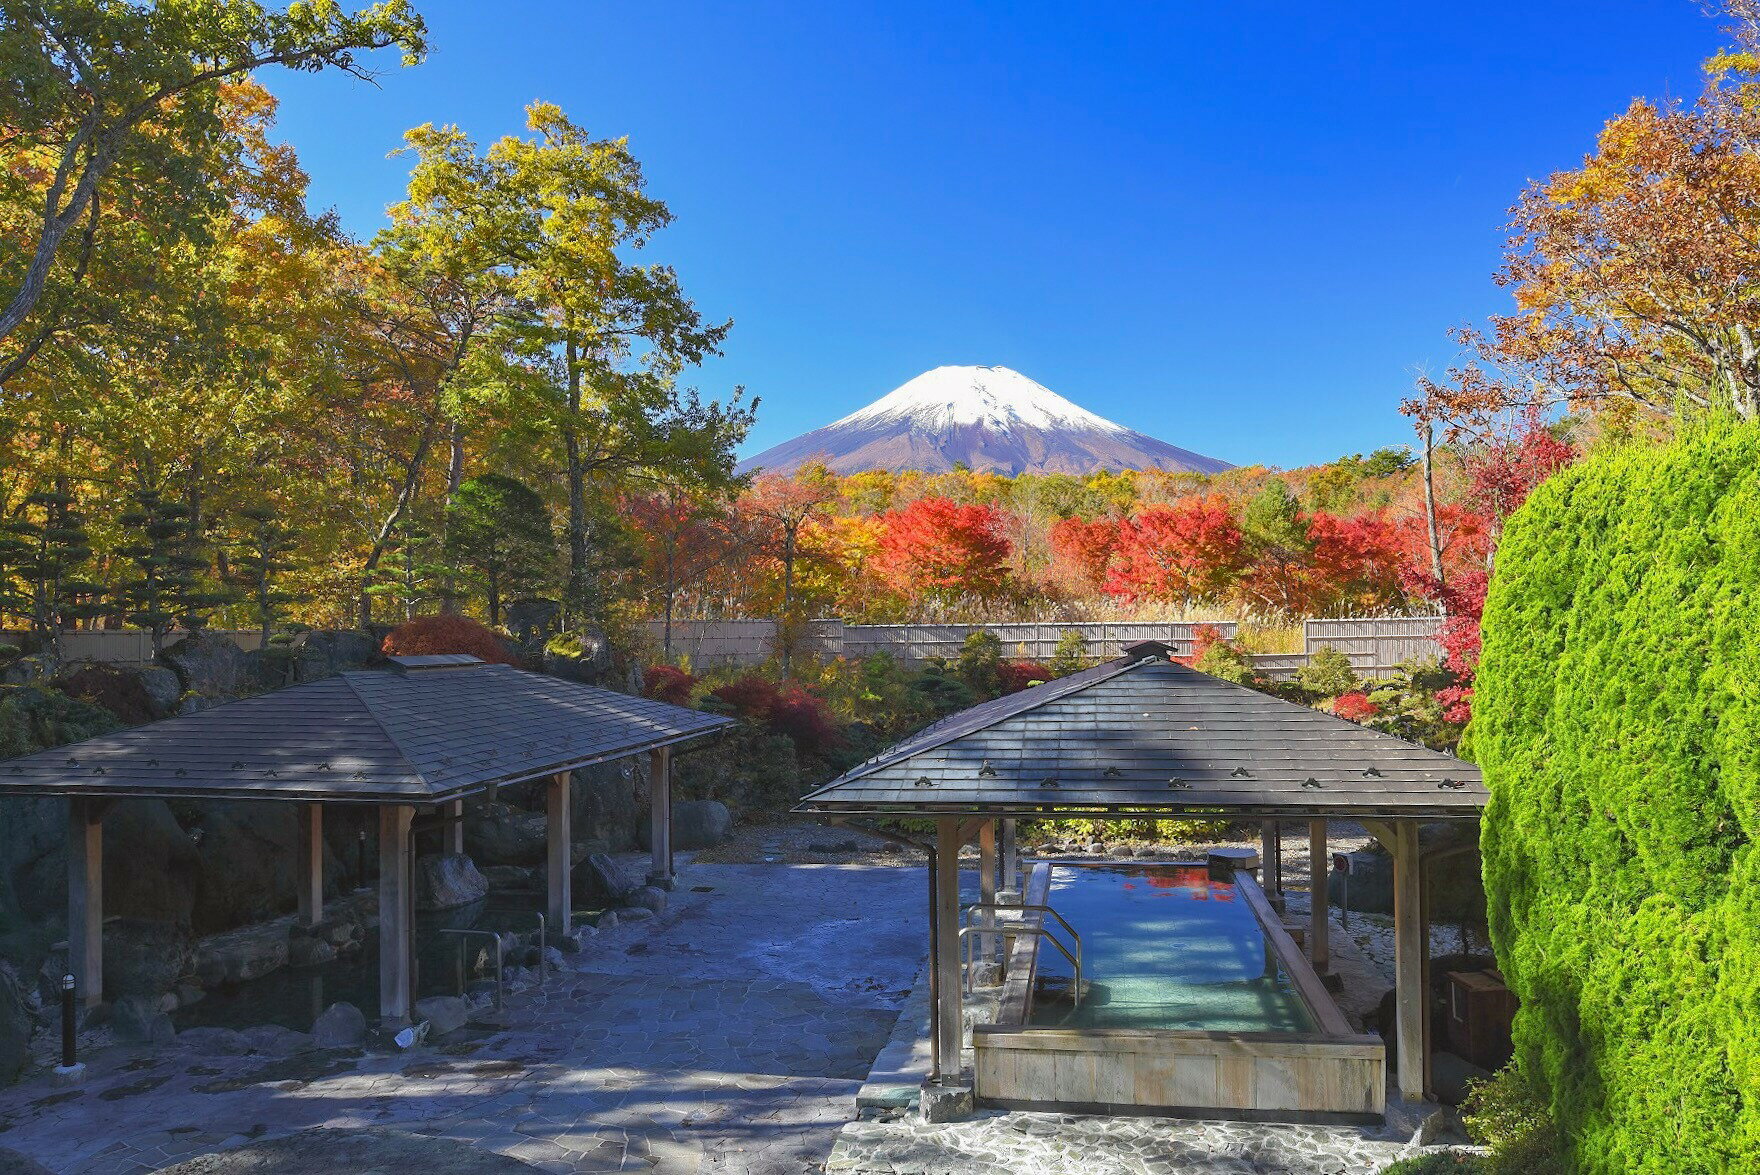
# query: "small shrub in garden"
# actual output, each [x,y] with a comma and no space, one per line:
[1226,660]
[1355,706]
[668,683]
[980,664]
[1018,675]
[1328,674]
[430,635]
[1071,654]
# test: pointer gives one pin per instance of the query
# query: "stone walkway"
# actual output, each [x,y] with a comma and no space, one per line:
[997,1143]
[728,1036]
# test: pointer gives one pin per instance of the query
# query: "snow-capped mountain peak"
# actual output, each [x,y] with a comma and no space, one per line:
[984,418]
[997,398]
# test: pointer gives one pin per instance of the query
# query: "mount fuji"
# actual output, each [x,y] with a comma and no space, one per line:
[986,418]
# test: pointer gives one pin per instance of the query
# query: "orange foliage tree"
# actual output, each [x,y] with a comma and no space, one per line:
[1192,550]
[934,548]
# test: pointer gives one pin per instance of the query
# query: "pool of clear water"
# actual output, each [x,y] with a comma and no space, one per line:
[294,998]
[1165,946]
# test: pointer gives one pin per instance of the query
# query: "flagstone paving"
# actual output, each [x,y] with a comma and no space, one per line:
[726,1037]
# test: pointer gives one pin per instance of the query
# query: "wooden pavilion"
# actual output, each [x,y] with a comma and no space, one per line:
[423,737]
[1144,737]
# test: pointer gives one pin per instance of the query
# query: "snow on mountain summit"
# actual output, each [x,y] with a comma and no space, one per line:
[993,397]
[984,418]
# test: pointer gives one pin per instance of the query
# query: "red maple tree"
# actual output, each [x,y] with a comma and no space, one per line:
[937,548]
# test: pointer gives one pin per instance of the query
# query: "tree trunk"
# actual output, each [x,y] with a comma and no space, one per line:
[454,479]
[1429,431]
[405,495]
[787,627]
[574,598]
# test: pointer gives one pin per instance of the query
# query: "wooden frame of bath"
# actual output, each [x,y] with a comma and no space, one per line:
[1330,1075]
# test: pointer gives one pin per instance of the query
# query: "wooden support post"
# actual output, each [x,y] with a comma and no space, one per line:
[1319,861]
[395,913]
[660,817]
[1408,962]
[1267,856]
[310,866]
[453,841]
[1011,856]
[949,1027]
[558,867]
[987,864]
[85,897]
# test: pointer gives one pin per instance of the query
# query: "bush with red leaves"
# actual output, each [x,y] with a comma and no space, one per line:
[805,718]
[668,683]
[792,711]
[1355,706]
[751,697]
[1018,675]
[429,635]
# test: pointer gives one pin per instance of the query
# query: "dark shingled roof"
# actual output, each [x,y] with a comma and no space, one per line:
[417,734]
[1145,736]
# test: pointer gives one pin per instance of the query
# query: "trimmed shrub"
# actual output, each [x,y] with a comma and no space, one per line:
[668,683]
[1018,675]
[1616,714]
[1328,674]
[34,719]
[429,635]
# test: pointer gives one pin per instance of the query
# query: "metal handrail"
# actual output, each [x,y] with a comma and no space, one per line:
[994,927]
[998,927]
[499,967]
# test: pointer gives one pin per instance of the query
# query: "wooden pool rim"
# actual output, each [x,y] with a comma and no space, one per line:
[1332,1075]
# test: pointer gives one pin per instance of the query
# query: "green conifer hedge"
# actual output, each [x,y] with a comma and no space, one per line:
[1617,719]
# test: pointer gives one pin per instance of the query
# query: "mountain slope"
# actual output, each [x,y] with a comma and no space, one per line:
[987,418]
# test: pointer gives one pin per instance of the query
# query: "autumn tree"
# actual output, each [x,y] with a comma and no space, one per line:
[114,103]
[1087,546]
[1193,550]
[783,505]
[935,549]
[613,335]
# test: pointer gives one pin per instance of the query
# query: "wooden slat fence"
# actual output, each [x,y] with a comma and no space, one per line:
[1376,646]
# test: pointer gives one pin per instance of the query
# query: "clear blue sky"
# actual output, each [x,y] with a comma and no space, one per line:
[1236,226]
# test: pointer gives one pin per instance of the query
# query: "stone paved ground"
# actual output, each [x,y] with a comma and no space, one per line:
[996,1143]
[726,1037]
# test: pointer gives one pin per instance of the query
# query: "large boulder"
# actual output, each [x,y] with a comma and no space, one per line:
[249,853]
[696,824]
[239,955]
[144,957]
[162,688]
[497,834]
[445,881]
[600,881]
[610,803]
[152,869]
[139,1020]
[327,653]
[340,1026]
[444,1013]
[207,664]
